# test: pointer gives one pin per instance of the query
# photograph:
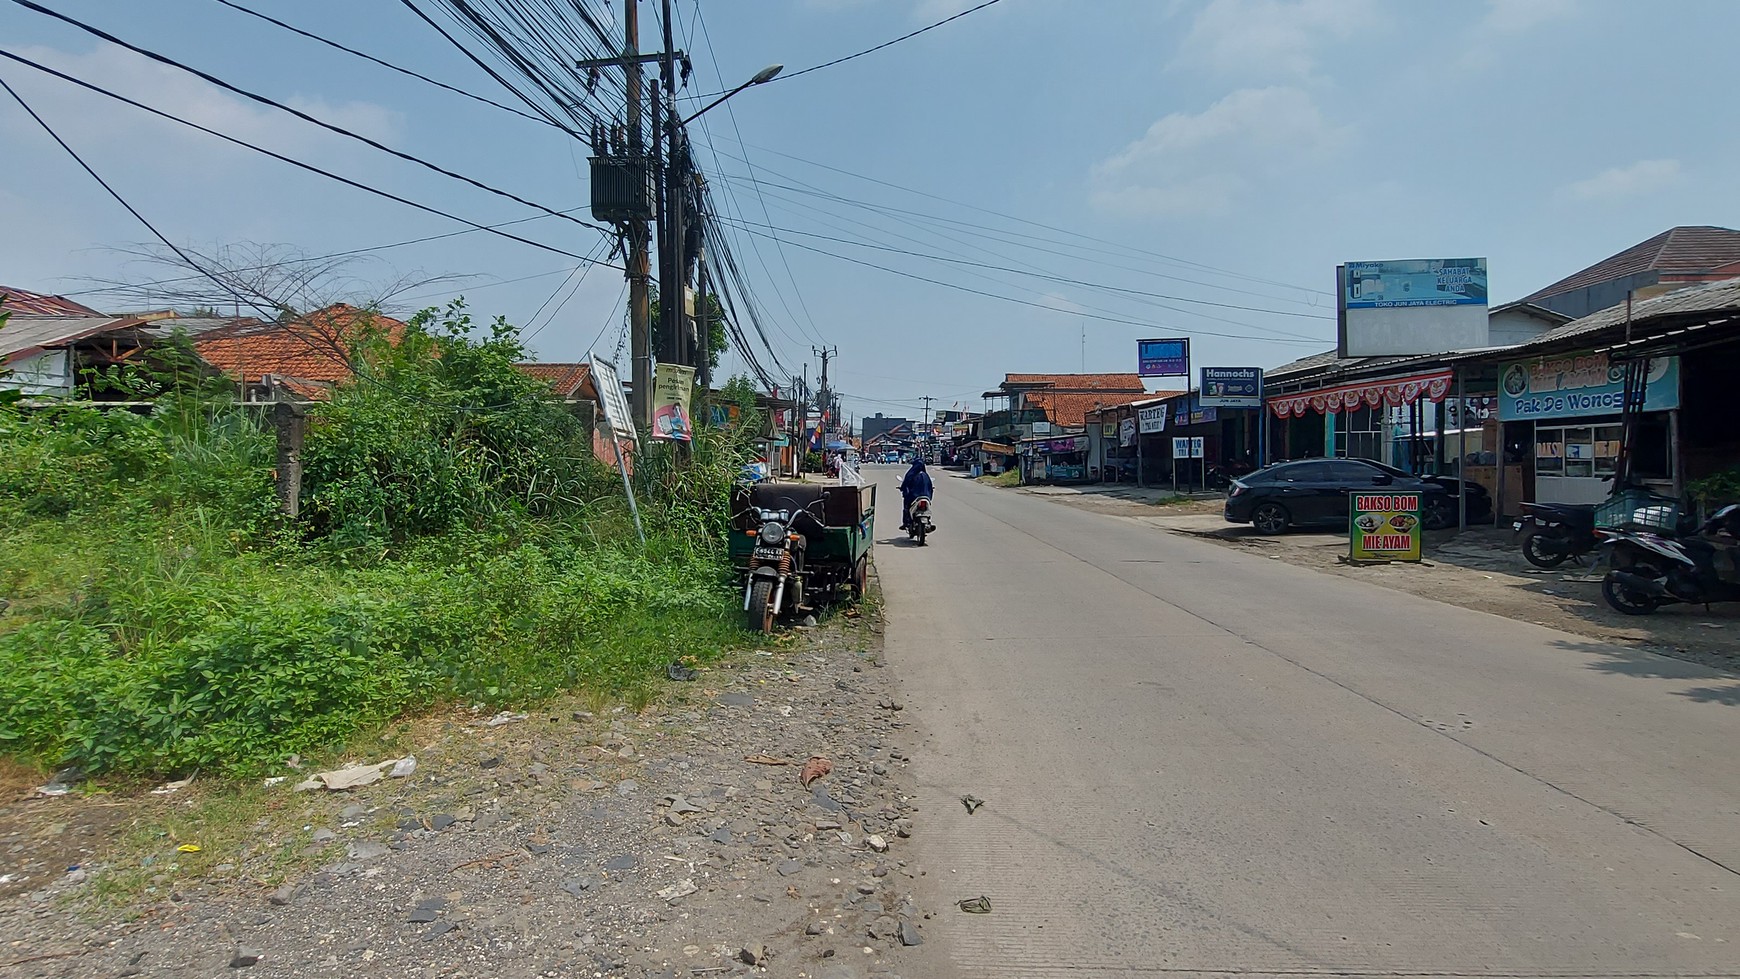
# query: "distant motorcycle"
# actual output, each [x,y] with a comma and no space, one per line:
[1553,533]
[1649,570]
[918,522]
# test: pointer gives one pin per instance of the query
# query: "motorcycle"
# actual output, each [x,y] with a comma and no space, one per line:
[1649,570]
[776,565]
[1556,532]
[918,522]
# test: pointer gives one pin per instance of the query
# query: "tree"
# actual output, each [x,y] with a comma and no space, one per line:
[719,338]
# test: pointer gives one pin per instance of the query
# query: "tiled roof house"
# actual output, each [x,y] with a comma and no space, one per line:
[308,355]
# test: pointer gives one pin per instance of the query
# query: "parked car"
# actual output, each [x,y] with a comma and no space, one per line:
[1315,492]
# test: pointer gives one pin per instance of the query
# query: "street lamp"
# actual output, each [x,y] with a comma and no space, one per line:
[762,77]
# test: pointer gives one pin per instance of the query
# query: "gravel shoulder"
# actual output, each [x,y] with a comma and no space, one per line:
[1482,569]
[572,842]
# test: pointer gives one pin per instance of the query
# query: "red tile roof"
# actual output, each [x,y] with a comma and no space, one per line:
[1686,250]
[315,347]
[568,381]
[1070,408]
[1079,382]
[38,304]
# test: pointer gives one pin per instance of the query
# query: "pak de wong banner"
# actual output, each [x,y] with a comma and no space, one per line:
[672,384]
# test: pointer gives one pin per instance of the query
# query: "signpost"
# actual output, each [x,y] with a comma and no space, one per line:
[1383,527]
[1184,447]
[618,422]
[1163,358]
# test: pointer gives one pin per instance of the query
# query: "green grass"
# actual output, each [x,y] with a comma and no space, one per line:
[1010,478]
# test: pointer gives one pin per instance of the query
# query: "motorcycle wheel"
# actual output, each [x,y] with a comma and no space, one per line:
[1540,556]
[921,535]
[761,606]
[1624,600]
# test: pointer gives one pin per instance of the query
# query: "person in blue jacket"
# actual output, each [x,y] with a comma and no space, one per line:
[916,484]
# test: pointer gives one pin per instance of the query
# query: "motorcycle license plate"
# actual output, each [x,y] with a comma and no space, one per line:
[769,553]
[1517,526]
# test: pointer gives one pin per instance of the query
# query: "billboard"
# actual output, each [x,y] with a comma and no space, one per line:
[1231,387]
[1163,358]
[1400,307]
[1580,385]
[614,398]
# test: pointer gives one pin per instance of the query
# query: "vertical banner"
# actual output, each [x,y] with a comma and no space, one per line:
[672,384]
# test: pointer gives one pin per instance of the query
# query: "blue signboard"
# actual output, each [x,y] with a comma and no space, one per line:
[1232,387]
[1415,282]
[1163,358]
[1579,385]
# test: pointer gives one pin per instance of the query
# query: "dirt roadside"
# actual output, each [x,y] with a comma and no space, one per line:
[571,842]
[1481,569]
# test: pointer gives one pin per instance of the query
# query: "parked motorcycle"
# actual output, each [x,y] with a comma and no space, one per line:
[1553,533]
[1650,570]
[776,565]
[918,522]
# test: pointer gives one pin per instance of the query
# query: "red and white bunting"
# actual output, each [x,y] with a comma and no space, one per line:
[1392,393]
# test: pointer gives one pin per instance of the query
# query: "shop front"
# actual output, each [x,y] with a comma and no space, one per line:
[1568,408]
[1361,420]
[1055,460]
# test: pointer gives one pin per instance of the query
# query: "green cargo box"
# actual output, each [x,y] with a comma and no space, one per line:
[839,555]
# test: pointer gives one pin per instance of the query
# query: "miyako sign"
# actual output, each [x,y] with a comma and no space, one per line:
[1580,385]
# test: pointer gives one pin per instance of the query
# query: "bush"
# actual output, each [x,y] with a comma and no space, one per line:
[460,544]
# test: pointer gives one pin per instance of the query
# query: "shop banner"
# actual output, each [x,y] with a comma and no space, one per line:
[1127,432]
[1384,527]
[1577,385]
[1231,387]
[1190,411]
[1151,420]
[1058,447]
[1163,358]
[1187,448]
[1392,392]
[1061,471]
[672,384]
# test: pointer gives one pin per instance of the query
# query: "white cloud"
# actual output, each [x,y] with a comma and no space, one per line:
[1274,37]
[1200,163]
[1518,16]
[1641,177]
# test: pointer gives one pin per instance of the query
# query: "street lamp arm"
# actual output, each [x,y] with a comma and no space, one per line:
[761,77]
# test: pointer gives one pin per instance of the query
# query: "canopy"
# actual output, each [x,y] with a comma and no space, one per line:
[1391,392]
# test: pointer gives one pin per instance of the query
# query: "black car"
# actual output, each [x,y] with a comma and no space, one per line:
[1314,493]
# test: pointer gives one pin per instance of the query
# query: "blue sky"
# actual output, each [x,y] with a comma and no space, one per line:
[1228,151]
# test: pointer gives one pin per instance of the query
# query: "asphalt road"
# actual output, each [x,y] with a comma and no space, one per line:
[1199,762]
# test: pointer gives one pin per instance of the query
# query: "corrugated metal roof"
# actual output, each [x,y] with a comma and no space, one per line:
[22,302]
[1685,250]
[28,335]
[1715,297]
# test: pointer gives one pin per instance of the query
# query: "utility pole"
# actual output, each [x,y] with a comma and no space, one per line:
[639,306]
[826,400]
[927,399]
[672,291]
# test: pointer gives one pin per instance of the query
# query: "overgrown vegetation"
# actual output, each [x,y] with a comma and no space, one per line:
[459,543]
[1007,478]
[1716,490]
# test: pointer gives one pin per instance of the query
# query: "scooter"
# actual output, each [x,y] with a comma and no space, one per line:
[1650,570]
[1556,532]
[918,522]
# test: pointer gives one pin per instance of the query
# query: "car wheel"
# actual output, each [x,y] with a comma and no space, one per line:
[1438,516]
[1270,518]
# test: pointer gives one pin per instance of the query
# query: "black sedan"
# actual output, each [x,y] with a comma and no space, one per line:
[1315,492]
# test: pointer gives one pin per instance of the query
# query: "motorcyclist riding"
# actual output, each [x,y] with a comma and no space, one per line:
[916,484]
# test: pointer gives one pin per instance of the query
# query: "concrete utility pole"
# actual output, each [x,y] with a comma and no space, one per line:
[927,399]
[671,283]
[825,401]
[639,235]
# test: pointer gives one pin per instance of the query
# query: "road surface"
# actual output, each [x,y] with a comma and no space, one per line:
[1199,762]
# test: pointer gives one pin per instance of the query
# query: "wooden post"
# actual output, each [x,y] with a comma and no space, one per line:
[290,423]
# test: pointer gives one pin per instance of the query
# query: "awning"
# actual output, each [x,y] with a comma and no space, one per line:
[1391,392]
[995,448]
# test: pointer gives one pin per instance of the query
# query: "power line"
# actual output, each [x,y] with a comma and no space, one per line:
[884,44]
[298,163]
[298,113]
[398,68]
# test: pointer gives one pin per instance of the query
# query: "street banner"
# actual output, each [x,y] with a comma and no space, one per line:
[1127,432]
[672,385]
[1163,358]
[1231,387]
[1384,527]
[1152,419]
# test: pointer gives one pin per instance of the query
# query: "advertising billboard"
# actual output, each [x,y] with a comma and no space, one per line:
[1163,358]
[1580,385]
[1231,387]
[1400,307]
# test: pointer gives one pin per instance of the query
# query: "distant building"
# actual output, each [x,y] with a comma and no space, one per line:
[872,426]
[1065,399]
[1678,257]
